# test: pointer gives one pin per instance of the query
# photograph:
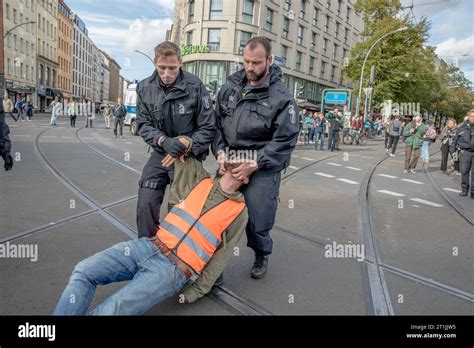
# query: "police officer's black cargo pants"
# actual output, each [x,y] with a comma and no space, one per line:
[152,186]
[466,167]
[261,196]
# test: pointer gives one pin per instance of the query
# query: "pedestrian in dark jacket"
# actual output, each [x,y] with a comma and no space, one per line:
[447,137]
[258,115]
[5,143]
[120,111]
[170,103]
[413,132]
[465,142]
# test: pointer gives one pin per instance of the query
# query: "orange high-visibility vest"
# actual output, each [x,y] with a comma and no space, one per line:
[192,236]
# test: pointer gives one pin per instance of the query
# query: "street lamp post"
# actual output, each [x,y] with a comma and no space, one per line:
[16,26]
[365,60]
[146,55]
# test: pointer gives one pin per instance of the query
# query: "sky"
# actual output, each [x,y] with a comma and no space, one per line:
[122,26]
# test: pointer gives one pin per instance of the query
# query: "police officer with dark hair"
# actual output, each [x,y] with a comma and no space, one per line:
[5,143]
[465,141]
[256,113]
[170,103]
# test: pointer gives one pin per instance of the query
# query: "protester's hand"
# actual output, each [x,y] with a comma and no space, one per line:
[169,159]
[8,162]
[221,157]
[244,170]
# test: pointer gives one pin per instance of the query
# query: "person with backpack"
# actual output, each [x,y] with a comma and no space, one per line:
[428,139]
[394,131]
[413,132]
[19,108]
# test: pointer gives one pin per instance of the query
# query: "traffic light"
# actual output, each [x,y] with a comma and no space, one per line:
[301,91]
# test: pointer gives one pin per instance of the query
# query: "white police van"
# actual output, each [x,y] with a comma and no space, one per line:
[131,105]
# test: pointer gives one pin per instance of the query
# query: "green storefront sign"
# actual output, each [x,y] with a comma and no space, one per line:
[188,49]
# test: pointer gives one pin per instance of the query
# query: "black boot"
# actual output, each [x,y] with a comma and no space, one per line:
[259,266]
[219,280]
[463,193]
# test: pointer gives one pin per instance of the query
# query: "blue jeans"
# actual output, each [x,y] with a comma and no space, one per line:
[425,150]
[332,139]
[318,136]
[152,278]
[54,117]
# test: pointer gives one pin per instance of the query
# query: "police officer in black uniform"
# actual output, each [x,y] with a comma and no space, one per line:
[465,141]
[256,112]
[5,143]
[171,102]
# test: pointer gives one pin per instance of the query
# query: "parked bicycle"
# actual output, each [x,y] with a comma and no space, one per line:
[351,136]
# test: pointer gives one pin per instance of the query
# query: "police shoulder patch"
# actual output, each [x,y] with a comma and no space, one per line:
[206,102]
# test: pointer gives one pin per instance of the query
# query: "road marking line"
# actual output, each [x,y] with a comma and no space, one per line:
[412,181]
[353,168]
[295,156]
[419,200]
[367,157]
[67,137]
[388,176]
[128,142]
[452,190]
[325,175]
[308,159]
[49,136]
[335,164]
[416,206]
[88,138]
[20,135]
[293,167]
[391,193]
[348,181]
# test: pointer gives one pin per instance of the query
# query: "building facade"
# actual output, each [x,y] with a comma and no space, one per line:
[65,43]
[114,78]
[104,78]
[311,39]
[19,48]
[95,75]
[47,53]
[82,61]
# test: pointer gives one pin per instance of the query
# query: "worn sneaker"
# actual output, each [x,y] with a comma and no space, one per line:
[405,171]
[412,171]
[392,155]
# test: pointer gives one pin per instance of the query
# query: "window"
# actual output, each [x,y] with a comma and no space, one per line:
[344,54]
[298,60]
[284,51]
[311,66]
[247,13]
[28,25]
[328,4]
[216,9]
[269,20]
[338,9]
[314,38]
[299,40]
[191,11]
[334,52]
[27,71]
[189,38]
[14,42]
[302,9]
[9,66]
[21,17]
[287,5]
[336,33]
[286,27]
[244,38]
[325,45]
[22,74]
[333,73]
[7,10]
[326,24]
[315,16]
[348,15]
[323,69]
[214,39]
[14,16]
[346,34]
